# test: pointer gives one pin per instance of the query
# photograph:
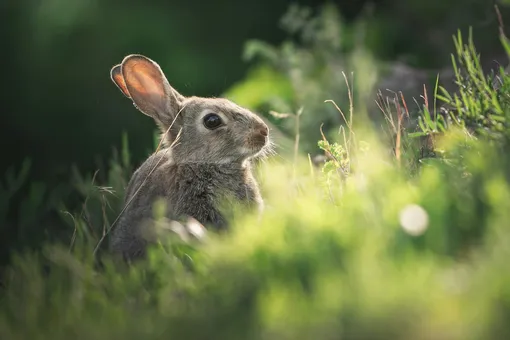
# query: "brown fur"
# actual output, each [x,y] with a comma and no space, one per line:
[198,167]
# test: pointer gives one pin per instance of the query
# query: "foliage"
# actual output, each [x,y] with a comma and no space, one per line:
[310,63]
[21,214]
[322,49]
[43,214]
[481,106]
[384,251]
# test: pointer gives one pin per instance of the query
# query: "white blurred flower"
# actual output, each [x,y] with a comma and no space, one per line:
[414,219]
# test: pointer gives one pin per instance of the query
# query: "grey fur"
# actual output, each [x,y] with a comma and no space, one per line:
[197,168]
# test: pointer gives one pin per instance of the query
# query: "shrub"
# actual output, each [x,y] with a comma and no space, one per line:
[371,245]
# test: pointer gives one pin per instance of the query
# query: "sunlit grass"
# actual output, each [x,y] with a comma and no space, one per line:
[370,245]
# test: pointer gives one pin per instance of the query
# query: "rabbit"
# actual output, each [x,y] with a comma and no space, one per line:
[209,145]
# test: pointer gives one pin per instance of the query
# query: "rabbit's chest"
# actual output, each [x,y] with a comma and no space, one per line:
[198,192]
[208,182]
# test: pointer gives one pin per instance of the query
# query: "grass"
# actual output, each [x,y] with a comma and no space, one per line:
[370,245]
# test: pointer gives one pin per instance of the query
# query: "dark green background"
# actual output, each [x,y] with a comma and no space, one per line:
[60,107]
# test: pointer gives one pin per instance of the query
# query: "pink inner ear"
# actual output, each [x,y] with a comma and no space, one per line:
[119,80]
[148,83]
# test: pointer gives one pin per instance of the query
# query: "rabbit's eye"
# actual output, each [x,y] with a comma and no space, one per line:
[212,121]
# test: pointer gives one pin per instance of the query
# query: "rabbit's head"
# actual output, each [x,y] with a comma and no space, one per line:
[210,130]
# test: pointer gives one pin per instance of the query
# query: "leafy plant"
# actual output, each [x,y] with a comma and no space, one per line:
[304,70]
[382,248]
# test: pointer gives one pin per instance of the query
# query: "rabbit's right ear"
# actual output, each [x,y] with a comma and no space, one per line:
[142,80]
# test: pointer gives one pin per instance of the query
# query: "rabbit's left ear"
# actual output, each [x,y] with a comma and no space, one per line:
[118,79]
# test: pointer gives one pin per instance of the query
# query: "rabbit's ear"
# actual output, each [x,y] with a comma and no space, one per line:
[149,89]
[118,79]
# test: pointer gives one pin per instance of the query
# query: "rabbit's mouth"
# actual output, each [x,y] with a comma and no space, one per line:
[259,141]
[256,144]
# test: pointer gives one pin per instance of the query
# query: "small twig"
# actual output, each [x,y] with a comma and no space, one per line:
[399,128]
[339,110]
[310,164]
[404,103]
[350,92]
[296,138]
[500,21]
[425,97]
[73,238]
[103,209]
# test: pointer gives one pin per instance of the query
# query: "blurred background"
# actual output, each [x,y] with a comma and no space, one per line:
[60,108]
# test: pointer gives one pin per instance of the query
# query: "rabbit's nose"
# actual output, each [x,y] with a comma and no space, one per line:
[264,131]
